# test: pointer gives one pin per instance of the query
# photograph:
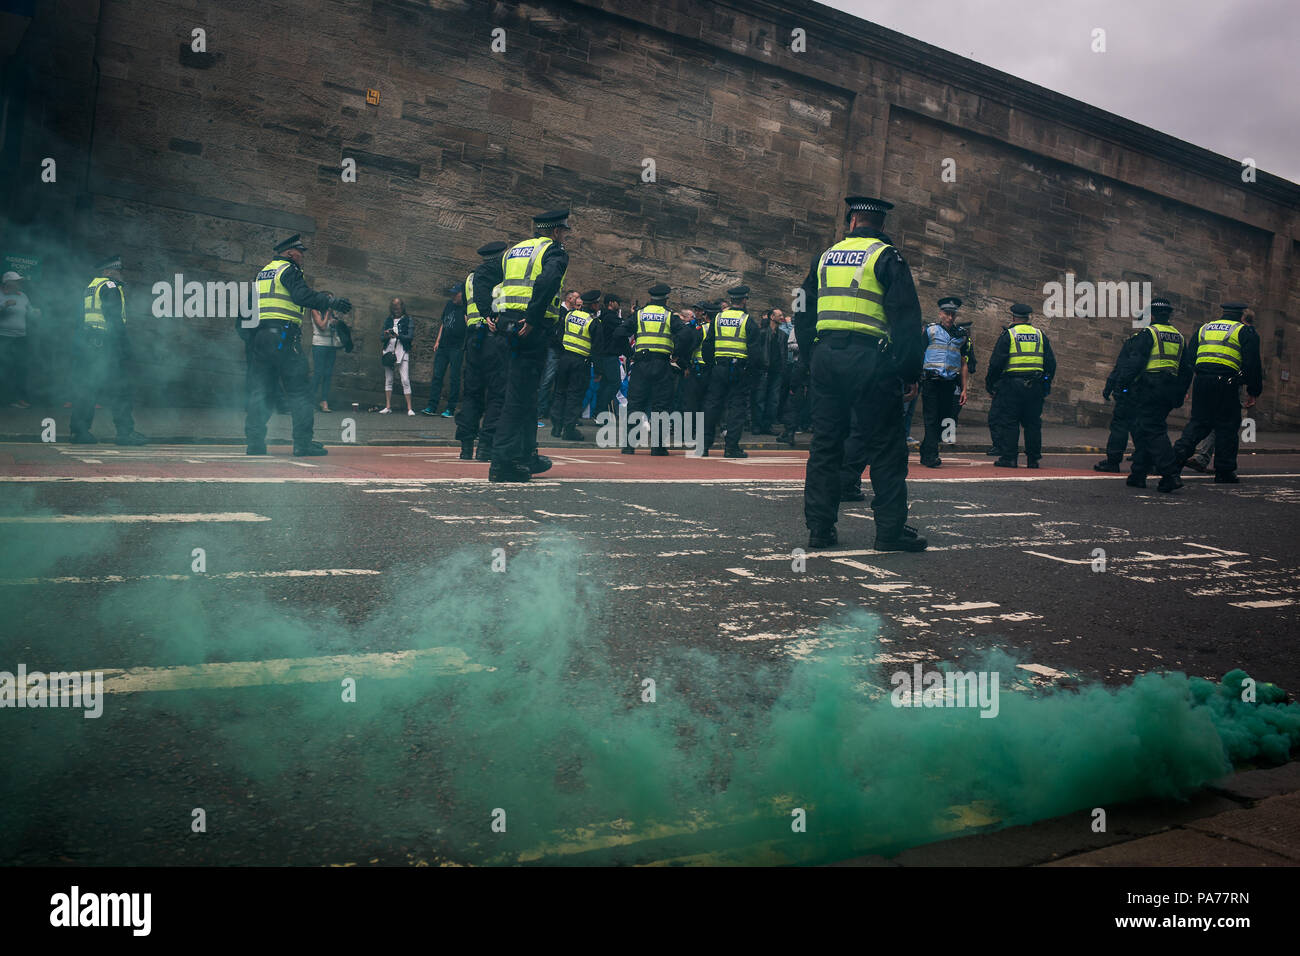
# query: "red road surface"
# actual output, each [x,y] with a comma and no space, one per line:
[369,463]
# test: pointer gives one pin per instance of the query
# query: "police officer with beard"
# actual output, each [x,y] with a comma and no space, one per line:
[862,310]
[532,275]
[485,358]
[275,348]
[732,348]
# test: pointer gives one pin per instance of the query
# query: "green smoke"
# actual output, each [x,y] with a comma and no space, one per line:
[541,721]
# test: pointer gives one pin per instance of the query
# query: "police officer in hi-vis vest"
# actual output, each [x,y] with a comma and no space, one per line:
[728,347]
[691,357]
[102,350]
[1019,377]
[1225,355]
[860,307]
[943,378]
[485,358]
[1121,420]
[1155,368]
[275,348]
[573,374]
[532,276]
[650,380]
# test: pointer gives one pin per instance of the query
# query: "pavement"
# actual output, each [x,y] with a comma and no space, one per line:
[372,562]
[225,426]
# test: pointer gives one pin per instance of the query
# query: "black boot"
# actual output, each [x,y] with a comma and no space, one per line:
[786,438]
[1169,483]
[467,451]
[826,538]
[540,463]
[1107,465]
[852,494]
[484,452]
[1226,478]
[571,434]
[736,452]
[1136,481]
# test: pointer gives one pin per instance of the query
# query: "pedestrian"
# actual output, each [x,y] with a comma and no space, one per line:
[103,350]
[860,305]
[767,388]
[695,370]
[325,345]
[796,400]
[1019,377]
[275,348]
[485,358]
[574,372]
[397,335]
[656,332]
[734,339]
[1225,356]
[448,351]
[606,351]
[1155,368]
[533,274]
[943,384]
[15,311]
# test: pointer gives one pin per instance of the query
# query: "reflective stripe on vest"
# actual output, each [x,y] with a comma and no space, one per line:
[1026,349]
[698,354]
[653,330]
[522,266]
[1166,349]
[729,340]
[93,305]
[942,352]
[577,332]
[472,316]
[273,298]
[1219,346]
[848,294]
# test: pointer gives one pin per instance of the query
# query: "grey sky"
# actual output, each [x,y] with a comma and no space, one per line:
[1224,75]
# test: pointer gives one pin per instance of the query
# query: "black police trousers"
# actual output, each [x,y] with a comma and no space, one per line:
[649,389]
[695,387]
[849,377]
[101,374]
[727,399]
[572,377]
[515,443]
[1154,397]
[276,356]
[796,401]
[1216,407]
[1121,426]
[938,401]
[485,388]
[1018,402]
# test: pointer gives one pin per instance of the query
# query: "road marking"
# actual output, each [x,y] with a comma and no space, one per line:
[133,519]
[1052,557]
[1261,604]
[743,572]
[858,566]
[301,670]
[224,576]
[968,606]
[1003,514]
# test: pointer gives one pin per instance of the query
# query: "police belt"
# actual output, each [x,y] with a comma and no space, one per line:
[933,376]
[1228,376]
[279,325]
[647,353]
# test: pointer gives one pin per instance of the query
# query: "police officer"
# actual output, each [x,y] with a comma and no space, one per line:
[859,298]
[943,384]
[1121,422]
[691,357]
[1019,377]
[573,375]
[1225,355]
[532,275]
[275,348]
[1155,367]
[733,340]
[103,349]
[650,379]
[485,358]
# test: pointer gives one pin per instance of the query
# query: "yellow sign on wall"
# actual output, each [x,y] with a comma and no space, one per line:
[372,97]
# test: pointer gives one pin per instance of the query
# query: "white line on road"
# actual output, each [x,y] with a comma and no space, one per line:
[133,519]
[859,566]
[1262,604]
[301,670]
[968,606]
[220,576]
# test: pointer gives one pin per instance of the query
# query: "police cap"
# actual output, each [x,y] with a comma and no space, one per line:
[492,249]
[591,296]
[111,262]
[865,204]
[1161,304]
[659,291]
[293,242]
[1234,307]
[1021,311]
[950,303]
[552,219]
[739,292]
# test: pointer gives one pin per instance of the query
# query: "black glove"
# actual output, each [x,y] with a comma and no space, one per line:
[340,305]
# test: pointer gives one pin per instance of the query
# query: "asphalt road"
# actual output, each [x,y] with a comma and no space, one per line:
[377,565]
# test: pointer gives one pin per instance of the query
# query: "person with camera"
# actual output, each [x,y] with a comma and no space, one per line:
[397,336]
[941,374]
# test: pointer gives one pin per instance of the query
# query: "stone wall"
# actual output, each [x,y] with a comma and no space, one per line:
[201,161]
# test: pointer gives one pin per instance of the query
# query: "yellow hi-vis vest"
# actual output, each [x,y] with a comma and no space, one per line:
[729,340]
[472,316]
[654,330]
[577,332]
[273,299]
[1218,346]
[698,354]
[522,265]
[1026,353]
[848,293]
[1166,349]
[94,305]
